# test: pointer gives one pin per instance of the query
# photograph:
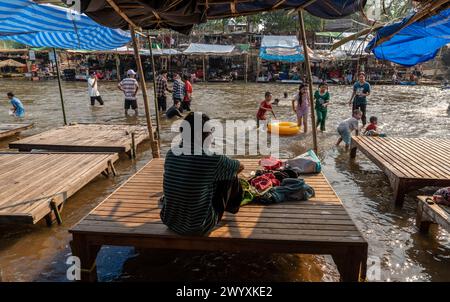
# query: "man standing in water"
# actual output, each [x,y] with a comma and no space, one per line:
[93,89]
[361,89]
[130,87]
[161,88]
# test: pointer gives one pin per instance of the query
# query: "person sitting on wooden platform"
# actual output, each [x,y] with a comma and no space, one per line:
[198,187]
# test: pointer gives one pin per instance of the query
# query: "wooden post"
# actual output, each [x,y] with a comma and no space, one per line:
[258,66]
[58,73]
[204,69]
[309,76]
[118,67]
[246,69]
[154,85]
[153,142]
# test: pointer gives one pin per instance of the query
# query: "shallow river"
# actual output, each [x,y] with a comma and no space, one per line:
[39,253]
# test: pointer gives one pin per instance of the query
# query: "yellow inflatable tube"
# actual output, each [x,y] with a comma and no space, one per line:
[283,128]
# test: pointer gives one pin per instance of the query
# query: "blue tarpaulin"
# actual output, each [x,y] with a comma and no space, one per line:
[281,48]
[414,44]
[45,25]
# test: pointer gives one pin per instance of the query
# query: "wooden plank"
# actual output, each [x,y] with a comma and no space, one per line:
[131,216]
[430,212]
[25,193]
[7,130]
[84,138]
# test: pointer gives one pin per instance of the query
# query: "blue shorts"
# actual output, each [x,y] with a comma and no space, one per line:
[345,135]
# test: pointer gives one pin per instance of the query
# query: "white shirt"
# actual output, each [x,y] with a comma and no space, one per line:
[92,87]
[349,124]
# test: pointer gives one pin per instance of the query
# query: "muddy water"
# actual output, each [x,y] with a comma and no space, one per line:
[39,253]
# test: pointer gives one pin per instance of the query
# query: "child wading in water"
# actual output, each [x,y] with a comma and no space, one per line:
[372,128]
[322,97]
[264,107]
[300,105]
[346,127]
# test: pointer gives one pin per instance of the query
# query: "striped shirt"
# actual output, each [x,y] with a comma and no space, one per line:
[189,186]
[161,86]
[178,90]
[129,86]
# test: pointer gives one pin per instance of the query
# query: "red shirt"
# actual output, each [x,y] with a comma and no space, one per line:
[371,127]
[264,107]
[188,89]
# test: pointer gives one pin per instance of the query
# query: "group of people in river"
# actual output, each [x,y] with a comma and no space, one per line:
[301,103]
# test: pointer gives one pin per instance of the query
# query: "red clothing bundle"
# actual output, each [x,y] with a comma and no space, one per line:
[264,182]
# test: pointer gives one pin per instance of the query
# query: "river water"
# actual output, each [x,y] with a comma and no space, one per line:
[38,253]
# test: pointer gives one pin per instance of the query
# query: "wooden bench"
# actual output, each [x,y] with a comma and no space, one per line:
[130,217]
[86,138]
[429,213]
[7,130]
[409,163]
[35,185]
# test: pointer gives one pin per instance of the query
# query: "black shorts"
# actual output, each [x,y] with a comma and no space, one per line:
[130,104]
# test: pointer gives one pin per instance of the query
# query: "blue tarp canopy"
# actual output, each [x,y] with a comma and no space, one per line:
[181,15]
[45,25]
[414,44]
[281,48]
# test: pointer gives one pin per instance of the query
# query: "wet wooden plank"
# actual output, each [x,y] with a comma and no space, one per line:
[7,130]
[27,187]
[429,212]
[84,138]
[409,163]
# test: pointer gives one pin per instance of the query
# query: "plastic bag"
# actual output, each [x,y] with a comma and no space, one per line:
[270,163]
[305,163]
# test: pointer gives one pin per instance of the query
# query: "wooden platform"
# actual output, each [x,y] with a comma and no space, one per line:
[429,213]
[7,130]
[130,217]
[409,163]
[33,184]
[85,138]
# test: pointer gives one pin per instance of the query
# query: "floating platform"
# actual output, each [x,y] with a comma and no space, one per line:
[409,163]
[7,130]
[428,212]
[130,217]
[35,185]
[85,138]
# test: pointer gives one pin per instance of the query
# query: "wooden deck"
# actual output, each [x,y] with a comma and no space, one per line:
[429,213]
[409,163]
[35,185]
[7,130]
[130,217]
[85,138]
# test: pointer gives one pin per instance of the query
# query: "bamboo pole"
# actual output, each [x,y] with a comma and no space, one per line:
[118,67]
[246,68]
[204,69]
[309,76]
[153,142]
[58,73]
[154,85]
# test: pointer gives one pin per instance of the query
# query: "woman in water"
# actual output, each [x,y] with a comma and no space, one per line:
[300,105]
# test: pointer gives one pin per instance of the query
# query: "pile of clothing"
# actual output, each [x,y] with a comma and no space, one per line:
[276,183]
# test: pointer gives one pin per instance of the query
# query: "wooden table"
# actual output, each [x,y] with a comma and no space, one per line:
[429,213]
[409,163]
[7,130]
[33,185]
[130,217]
[85,138]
